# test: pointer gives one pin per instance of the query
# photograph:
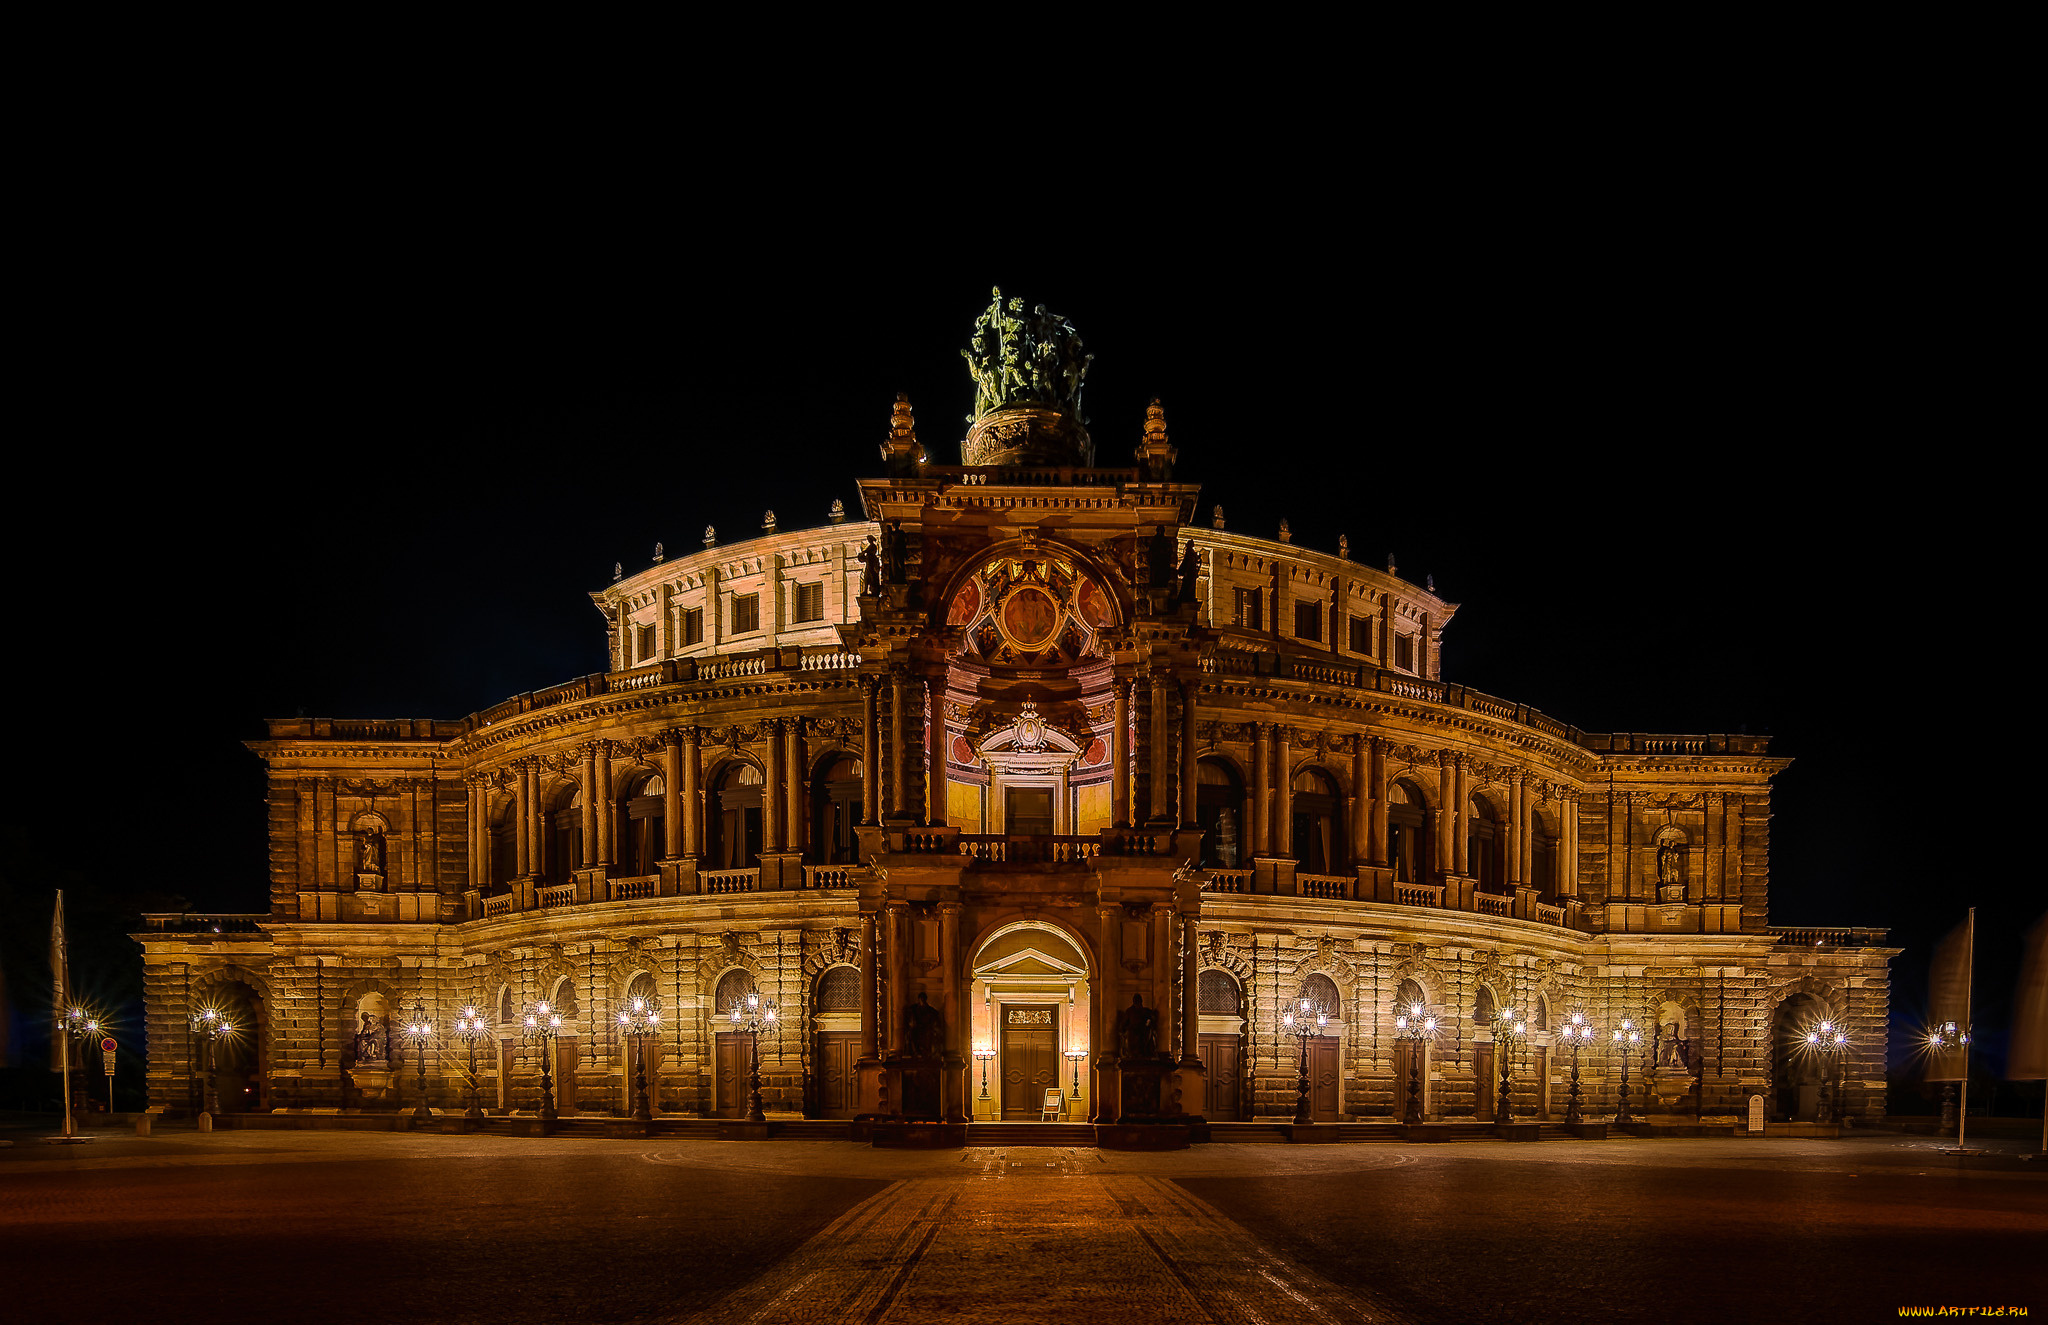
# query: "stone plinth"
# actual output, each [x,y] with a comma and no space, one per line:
[907,1134]
[1518,1131]
[1141,1136]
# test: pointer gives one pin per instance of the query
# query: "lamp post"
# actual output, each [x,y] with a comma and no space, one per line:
[470,1028]
[1577,1032]
[543,1023]
[1302,1022]
[210,1024]
[750,1016]
[1829,1041]
[1627,1039]
[1509,1031]
[640,1018]
[1415,1026]
[1075,1056]
[79,1024]
[418,1031]
[984,1055]
[1948,1038]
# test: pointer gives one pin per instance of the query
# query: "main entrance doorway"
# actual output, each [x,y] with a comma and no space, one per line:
[1031,1060]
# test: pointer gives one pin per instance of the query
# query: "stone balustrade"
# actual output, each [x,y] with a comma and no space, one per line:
[732,881]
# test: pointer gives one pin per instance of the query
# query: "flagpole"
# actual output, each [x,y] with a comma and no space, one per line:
[60,974]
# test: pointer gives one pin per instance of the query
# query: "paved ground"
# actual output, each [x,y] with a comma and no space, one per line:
[322,1226]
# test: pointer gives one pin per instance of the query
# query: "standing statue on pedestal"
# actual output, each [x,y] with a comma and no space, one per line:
[370,853]
[925,1030]
[1137,1030]
[371,1046]
[870,570]
[1671,863]
[1190,572]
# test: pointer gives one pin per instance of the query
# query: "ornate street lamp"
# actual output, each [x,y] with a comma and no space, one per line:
[640,1018]
[543,1023]
[1829,1041]
[1577,1032]
[1075,1056]
[1509,1031]
[750,1016]
[984,1055]
[418,1031]
[211,1025]
[1303,1022]
[1948,1038]
[80,1024]
[1414,1025]
[470,1028]
[1627,1039]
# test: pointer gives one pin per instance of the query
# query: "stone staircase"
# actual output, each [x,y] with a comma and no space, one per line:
[1030,1134]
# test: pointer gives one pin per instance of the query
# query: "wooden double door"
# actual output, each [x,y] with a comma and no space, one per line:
[1031,1059]
[734,1066]
[1221,1068]
[838,1084]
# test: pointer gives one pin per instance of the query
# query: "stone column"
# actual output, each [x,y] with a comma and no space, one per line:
[1376,848]
[1617,847]
[870,752]
[671,796]
[934,746]
[476,854]
[794,761]
[1283,789]
[1188,779]
[522,816]
[1461,825]
[693,796]
[892,1012]
[1158,805]
[1446,812]
[899,775]
[1120,758]
[771,794]
[1191,1003]
[590,804]
[1362,803]
[1518,810]
[607,808]
[953,1077]
[870,988]
[1717,803]
[1262,791]
[1568,847]
[1103,1000]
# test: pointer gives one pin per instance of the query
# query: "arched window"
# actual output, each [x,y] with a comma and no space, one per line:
[1484,1008]
[643,826]
[564,830]
[736,819]
[1317,844]
[1407,997]
[505,1006]
[504,846]
[1321,992]
[1542,1020]
[1543,855]
[1406,820]
[732,987]
[564,1001]
[1216,993]
[642,986]
[835,811]
[839,990]
[1219,804]
[1484,842]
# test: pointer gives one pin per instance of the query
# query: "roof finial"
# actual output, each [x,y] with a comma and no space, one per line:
[837,515]
[1390,565]
[1216,516]
[710,536]
[618,571]
[1286,534]
[901,453]
[657,554]
[1156,454]
[768,521]
[1429,583]
[1343,548]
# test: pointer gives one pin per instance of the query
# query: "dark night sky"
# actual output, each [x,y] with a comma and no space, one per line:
[1689,465]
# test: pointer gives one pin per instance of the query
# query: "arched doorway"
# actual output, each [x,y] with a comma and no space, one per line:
[1219,808]
[1412,1057]
[642,828]
[835,1007]
[640,1053]
[1485,845]
[1319,991]
[1406,822]
[567,1045]
[1219,1008]
[238,1058]
[734,1060]
[1796,1069]
[735,820]
[1030,1005]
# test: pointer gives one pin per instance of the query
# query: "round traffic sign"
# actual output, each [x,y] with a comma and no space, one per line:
[108,1044]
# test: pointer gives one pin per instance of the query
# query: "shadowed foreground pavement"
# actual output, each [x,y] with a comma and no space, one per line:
[322,1226]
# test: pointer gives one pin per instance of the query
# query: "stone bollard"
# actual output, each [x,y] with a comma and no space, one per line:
[206,1122]
[142,1125]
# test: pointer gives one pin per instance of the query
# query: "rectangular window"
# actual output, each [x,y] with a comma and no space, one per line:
[1308,621]
[746,613]
[810,602]
[693,626]
[1248,609]
[646,643]
[1404,652]
[1361,635]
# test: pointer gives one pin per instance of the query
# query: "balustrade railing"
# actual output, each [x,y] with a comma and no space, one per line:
[828,876]
[560,895]
[1136,842]
[1228,881]
[627,890]
[1548,914]
[1829,938]
[1419,894]
[499,905]
[1331,887]
[829,662]
[1028,848]
[732,881]
[1489,904]
[717,669]
[210,922]
[640,678]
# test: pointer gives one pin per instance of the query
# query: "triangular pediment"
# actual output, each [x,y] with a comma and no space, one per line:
[1029,962]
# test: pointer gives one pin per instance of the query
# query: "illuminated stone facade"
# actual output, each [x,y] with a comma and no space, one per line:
[954,755]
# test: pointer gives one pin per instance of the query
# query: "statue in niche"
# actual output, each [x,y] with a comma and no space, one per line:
[870,570]
[925,1030]
[1671,1051]
[1671,862]
[370,853]
[371,1039]
[1137,1030]
[1190,571]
